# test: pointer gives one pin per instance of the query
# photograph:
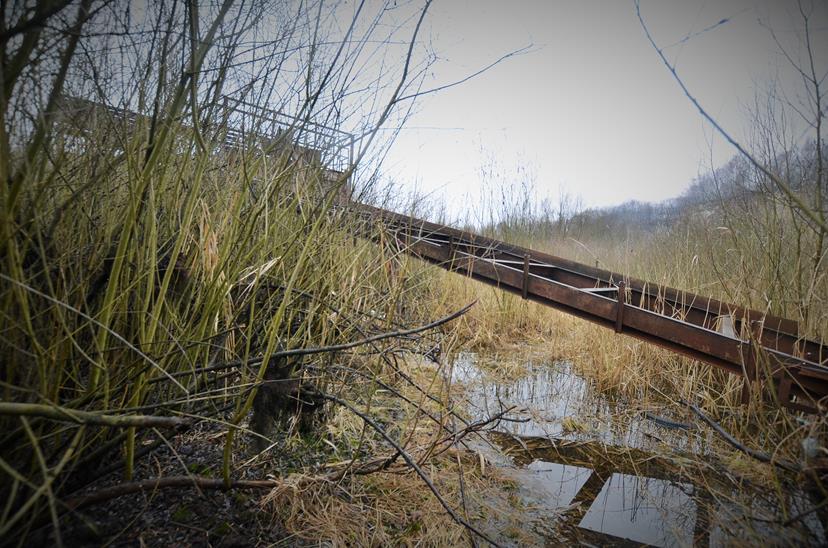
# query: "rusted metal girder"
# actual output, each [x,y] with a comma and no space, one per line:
[742,341]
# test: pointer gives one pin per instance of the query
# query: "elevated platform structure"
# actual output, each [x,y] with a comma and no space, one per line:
[236,127]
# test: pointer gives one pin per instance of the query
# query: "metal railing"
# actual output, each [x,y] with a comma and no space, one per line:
[239,125]
[331,147]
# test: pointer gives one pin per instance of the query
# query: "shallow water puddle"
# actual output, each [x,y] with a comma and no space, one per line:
[593,471]
[562,404]
[612,494]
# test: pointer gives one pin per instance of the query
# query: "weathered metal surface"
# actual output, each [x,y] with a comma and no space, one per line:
[759,346]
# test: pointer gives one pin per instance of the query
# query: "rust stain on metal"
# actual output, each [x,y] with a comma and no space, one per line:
[619,315]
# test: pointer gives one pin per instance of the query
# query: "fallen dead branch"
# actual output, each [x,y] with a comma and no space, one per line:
[64,414]
[123,489]
[331,348]
[374,465]
[453,439]
[758,455]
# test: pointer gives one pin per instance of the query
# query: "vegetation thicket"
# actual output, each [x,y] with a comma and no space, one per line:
[168,243]
[171,263]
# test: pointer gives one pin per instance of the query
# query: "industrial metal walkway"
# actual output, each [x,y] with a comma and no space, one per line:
[767,350]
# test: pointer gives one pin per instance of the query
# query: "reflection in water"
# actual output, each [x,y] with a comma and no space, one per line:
[551,485]
[549,394]
[609,479]
[545,490]
[644,510]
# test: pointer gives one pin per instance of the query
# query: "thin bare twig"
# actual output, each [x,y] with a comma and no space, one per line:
[413,464]
[92,320]
[331,348]
[806,513]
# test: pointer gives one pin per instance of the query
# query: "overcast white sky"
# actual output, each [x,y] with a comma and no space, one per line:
[591,108]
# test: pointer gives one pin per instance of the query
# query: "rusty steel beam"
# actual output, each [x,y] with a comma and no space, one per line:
[680,321]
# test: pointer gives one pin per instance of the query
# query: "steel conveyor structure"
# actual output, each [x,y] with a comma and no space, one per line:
[768,351]
[763,348]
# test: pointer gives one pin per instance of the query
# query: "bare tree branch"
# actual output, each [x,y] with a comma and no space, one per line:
[783,186]
[520,51]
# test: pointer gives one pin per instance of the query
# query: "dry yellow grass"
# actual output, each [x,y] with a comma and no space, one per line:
[393,507]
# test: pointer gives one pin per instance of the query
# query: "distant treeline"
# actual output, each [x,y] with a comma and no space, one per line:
[735,184]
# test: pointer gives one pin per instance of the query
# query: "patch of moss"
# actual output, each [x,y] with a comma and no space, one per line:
[182,514]
[222,529]
[199,469]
